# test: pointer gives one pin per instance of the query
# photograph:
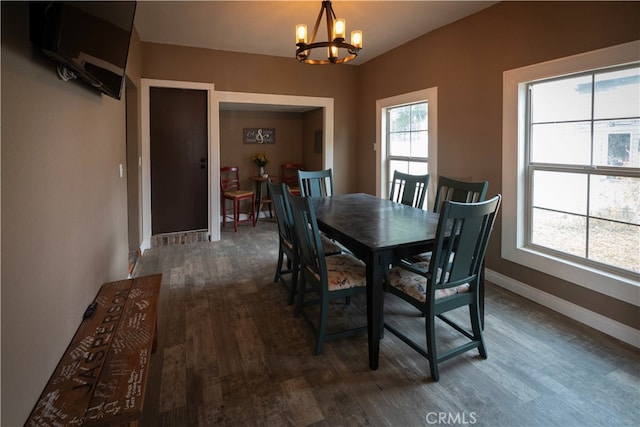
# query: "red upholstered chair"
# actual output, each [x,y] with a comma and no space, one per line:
[230,186]
[289,176]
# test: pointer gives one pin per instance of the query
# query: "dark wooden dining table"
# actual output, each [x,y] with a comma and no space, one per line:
[378,232]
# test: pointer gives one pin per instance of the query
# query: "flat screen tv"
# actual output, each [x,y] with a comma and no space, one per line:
[88,40]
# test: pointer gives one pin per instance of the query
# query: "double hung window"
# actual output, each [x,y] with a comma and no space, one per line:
[406,138]
[583,167]
[571,169]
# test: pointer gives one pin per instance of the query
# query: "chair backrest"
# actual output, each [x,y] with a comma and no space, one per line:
[409,189]
[456,261]
[311,250]
[284,218]
[289,173]
[316,183]
[229,178]
[459,191]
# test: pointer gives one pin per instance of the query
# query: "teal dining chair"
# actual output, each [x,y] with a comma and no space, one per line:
[459,191]
[450,281]
[329,277]
[409,189]
[316,183]
[450,189]
[288,242]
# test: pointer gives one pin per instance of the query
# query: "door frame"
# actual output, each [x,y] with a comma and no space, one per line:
[214,100]
[212,147]
[266,99]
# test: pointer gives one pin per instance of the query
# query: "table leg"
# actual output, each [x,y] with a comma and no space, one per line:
[375,299]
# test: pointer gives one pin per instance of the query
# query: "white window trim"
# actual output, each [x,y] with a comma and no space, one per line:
[429,95]
[513,172]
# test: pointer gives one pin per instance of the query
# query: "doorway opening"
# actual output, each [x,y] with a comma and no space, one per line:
[215,99]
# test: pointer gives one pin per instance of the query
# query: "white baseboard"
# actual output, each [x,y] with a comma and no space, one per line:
[597,321]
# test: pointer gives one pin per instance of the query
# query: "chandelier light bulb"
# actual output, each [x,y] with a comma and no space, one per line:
[339,29]
[356,38]
[301,33]
[333,52]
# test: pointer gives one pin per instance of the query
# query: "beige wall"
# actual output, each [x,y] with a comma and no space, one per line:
[465,60]
[64,222]
[313,120]
[238,72]
[287,148]
[294,136]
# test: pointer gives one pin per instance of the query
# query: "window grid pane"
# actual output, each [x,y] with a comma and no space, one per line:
[617,94]
[578,125]
[408,136]
[615,244]
[559,231]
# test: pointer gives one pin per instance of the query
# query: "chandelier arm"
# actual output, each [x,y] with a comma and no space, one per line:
[317,25]
[327,6]
[330,8]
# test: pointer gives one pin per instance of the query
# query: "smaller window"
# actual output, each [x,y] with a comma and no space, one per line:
[408,137]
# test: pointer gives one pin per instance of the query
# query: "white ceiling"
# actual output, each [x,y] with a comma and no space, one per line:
[268,27]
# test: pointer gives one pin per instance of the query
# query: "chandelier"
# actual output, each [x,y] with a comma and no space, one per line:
[336,49]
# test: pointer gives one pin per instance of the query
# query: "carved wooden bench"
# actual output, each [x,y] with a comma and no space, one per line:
[101,378]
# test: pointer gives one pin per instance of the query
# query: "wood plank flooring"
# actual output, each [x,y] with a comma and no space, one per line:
[230,353]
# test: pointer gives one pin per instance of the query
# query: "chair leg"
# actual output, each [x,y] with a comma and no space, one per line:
[253,209]
[236,214]
[476,327]
[300,297]
[322,325]
[481,296]
[430,327]
[294,281]
[279,265]
[224,213]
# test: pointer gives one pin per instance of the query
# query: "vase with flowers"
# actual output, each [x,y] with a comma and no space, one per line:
[260,159]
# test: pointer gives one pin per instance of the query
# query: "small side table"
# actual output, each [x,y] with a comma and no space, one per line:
[260,200]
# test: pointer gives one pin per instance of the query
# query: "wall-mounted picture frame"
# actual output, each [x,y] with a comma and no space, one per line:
[259,135]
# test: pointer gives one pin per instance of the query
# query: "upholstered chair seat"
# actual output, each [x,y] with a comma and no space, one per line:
[344,271]
[414,284]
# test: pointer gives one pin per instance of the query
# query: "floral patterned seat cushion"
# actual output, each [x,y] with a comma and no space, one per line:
[344,271]
[414,284]
[423,257]
[330,247]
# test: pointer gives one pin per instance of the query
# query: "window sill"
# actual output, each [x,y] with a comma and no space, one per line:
[615,286]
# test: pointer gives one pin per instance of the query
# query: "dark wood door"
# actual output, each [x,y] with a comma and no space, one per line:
[179,159]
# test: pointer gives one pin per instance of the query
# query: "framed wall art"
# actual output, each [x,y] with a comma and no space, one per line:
[259,135]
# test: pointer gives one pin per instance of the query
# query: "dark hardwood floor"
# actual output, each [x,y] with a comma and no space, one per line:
[231,353]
